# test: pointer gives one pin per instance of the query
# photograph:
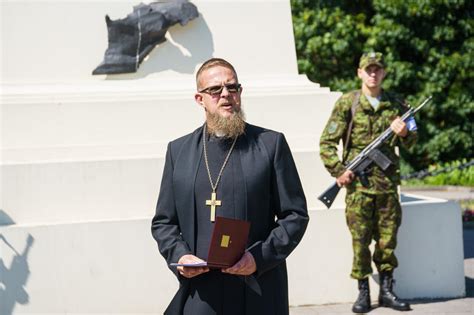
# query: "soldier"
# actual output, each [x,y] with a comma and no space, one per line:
[373,209]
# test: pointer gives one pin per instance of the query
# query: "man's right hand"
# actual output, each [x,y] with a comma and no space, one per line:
[346,178]
[190,272]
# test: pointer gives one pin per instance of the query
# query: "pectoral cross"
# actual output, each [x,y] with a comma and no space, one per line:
[213,203]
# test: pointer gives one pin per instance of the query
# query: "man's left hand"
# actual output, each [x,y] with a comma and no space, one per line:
[399,127]
[244,267]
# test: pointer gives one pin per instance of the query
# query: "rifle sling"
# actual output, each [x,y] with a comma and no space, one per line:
[355,104]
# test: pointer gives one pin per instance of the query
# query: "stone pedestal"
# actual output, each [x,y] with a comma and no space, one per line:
[82,155]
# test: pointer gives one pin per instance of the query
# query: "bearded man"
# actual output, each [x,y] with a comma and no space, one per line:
[251,172]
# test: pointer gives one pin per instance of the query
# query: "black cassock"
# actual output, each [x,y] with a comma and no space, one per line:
[260,184]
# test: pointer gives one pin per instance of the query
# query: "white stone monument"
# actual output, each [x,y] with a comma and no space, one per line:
[82,157]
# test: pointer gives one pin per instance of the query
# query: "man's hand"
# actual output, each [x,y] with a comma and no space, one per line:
[244,267]
[346,178]
[190,272]
[399,127]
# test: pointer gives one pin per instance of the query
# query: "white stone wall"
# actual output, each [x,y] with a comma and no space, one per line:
[82,157]
[58,41]
[113,266]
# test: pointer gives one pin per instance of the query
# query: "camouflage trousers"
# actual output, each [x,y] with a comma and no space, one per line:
[376,217]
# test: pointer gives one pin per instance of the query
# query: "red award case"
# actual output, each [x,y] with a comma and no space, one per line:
[227,246]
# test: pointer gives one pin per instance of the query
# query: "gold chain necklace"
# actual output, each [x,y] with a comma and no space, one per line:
[213,202]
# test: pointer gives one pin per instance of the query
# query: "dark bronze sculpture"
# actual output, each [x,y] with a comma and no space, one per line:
[131,39]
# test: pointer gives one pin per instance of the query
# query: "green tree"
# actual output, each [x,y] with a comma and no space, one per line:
[428,47]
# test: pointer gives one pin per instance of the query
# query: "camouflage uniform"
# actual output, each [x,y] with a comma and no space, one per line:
[372,212]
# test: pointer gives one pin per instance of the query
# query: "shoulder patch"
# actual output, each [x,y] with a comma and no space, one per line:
[332,127]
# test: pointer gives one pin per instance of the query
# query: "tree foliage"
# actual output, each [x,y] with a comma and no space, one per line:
[428,46]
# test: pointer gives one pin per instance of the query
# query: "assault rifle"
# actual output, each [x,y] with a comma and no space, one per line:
[370,154]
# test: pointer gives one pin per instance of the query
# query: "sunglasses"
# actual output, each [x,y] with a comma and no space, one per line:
[217,89]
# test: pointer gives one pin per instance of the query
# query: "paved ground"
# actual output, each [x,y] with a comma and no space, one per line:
[450,306]
[443,192]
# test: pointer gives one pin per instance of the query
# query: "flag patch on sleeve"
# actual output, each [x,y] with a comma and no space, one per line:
[411,124]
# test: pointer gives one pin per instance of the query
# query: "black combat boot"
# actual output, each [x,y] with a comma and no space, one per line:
[362,304]
[386,296]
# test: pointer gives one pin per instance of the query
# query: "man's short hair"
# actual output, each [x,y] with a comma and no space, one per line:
[211,63]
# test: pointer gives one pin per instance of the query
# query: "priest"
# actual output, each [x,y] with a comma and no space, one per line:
[232,169]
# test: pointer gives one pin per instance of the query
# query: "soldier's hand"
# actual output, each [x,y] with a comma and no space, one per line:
[190,272]
[346,178]
[399,127]
[244,267]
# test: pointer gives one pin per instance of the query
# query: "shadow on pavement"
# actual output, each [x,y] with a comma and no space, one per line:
[469,287]
[468,240]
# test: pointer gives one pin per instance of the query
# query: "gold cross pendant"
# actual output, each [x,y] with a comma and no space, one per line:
[213,203]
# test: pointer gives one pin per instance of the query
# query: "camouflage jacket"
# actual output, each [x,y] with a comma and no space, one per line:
[368,124]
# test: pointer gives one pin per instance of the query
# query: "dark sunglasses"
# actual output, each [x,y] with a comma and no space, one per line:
[217,89]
